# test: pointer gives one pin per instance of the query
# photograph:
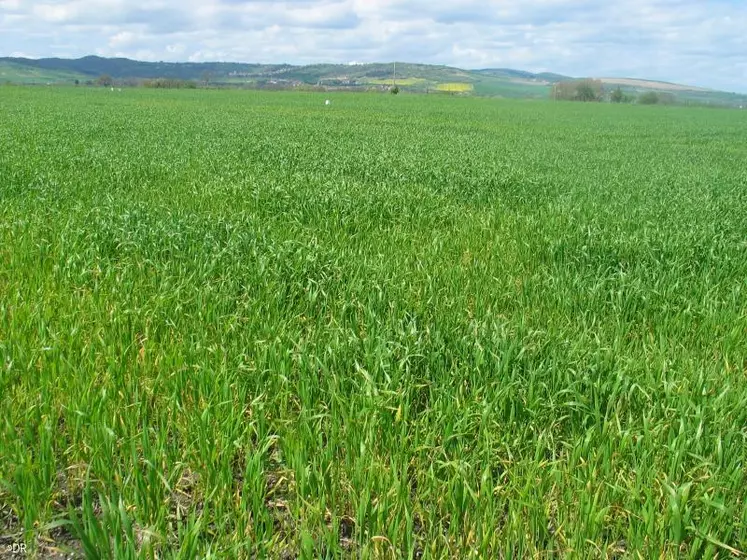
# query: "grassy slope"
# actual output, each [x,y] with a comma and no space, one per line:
[505,88]
[683,94]
[239,321]
[22,74]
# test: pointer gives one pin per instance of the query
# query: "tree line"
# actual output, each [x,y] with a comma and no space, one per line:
[589,90]
[158,83]
[586,90]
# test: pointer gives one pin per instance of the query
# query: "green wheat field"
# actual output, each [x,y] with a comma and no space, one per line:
[252,325]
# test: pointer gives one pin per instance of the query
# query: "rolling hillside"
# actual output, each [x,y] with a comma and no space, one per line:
[29,74]
[411,77]
[489,82]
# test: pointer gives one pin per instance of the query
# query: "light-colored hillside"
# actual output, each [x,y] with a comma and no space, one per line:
[650,84]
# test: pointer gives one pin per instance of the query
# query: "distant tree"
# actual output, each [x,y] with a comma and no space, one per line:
[648,98]
[206,77]
[394,90]
[77,82]
[585,92]
[619,96]
[105,80]
[562,91]
[169,83]
[578,90]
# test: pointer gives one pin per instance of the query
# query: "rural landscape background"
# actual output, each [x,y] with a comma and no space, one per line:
[241,323]
[406,77]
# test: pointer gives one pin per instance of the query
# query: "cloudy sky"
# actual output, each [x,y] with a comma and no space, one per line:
[698,42]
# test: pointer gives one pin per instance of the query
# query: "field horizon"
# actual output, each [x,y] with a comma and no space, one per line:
[410,76]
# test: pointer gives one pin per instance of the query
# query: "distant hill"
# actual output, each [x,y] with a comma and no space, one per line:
[650,84]
[522,75]
[20,73]
[688,94]
[495,82]
[411,77]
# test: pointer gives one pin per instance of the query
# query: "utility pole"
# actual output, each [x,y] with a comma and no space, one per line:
[395,75]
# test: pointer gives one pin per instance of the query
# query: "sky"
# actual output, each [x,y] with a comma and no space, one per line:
[695,42]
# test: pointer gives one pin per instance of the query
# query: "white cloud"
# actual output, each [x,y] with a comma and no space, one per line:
[695,41]
[123,39]
[176,49]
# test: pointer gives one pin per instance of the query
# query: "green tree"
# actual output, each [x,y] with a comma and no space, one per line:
[649,98]
[578,90]
[105,80]
[206,77]
[585,92]
[617,96]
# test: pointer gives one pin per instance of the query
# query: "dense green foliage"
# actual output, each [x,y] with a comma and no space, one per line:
[238,324]
[648,98]
[619,96]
